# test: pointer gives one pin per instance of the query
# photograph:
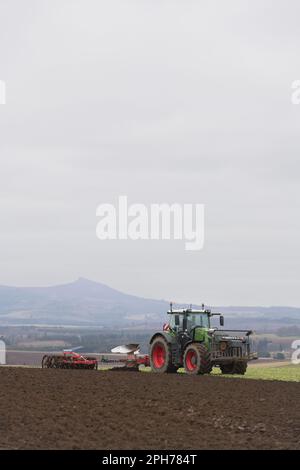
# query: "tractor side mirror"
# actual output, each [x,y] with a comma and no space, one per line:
[221,320]
[177,322]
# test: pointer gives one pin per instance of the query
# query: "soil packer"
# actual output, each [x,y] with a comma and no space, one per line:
[68,360]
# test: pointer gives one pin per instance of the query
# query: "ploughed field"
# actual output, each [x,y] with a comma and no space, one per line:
[82,409]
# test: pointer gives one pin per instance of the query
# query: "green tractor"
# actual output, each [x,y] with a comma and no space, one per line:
[189,341]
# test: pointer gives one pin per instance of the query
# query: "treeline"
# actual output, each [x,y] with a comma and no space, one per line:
[104,342]
[292,330]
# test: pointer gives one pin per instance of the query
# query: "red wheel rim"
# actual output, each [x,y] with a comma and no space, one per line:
[191,360]
[158,355]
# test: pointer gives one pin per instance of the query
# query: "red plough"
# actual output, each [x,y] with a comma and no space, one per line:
[129,356]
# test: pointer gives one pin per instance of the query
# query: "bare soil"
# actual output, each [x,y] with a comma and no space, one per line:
[65,409]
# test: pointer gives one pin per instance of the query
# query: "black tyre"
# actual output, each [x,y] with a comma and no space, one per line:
[161,356]
[236,368]
[240,367]
[196,359]
[227,368]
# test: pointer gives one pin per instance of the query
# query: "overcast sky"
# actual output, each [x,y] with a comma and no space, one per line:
[163,101]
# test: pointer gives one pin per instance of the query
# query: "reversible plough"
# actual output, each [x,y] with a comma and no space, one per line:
[129,356]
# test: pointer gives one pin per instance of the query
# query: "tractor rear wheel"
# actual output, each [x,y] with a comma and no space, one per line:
[238,367]
[196,359]
[161,356]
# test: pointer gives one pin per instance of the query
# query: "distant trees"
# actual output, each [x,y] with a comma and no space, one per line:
[292,330]
[106,340]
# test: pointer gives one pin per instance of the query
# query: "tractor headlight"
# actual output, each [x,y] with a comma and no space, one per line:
[223,346]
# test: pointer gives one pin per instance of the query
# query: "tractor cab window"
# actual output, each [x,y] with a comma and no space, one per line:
[197,319]
[176,325]
[192,319]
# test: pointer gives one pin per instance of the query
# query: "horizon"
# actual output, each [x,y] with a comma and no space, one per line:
[179,302]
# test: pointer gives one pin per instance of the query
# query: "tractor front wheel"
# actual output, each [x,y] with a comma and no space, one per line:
[161,356]
[236,368]
[197,359]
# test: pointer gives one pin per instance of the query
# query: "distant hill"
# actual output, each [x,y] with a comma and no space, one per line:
[86,302]
[79,303]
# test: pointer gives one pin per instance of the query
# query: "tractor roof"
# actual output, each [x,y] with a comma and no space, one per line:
[189,310]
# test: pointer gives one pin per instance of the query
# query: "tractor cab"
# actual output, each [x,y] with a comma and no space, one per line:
[189,320]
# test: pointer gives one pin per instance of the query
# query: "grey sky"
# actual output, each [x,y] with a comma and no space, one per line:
[164,101]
